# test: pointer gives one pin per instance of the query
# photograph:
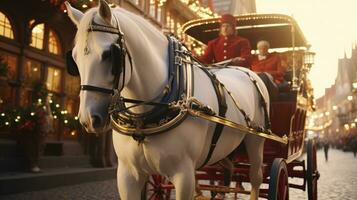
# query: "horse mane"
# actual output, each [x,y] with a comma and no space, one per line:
[141,23]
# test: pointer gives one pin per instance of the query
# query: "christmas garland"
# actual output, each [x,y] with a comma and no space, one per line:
[31,117]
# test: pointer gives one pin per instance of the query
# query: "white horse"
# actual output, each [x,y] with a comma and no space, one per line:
[175,153]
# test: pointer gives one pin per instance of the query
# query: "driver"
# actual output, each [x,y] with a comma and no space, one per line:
[228,45]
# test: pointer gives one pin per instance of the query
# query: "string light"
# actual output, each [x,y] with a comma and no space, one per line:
[57,105]
[32,113]
[76,118]
[65,121]
[7,123]
[2,114]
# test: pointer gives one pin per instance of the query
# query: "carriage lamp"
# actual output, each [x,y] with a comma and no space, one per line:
[354,86]
[309,57]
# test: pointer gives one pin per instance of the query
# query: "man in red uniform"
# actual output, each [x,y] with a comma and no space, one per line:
[268,62]
[228,45]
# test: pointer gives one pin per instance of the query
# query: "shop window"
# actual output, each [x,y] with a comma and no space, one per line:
[53,43]
[32,72]
[136,2]
[25,97]
[159,13]
[37,36]
[152,8]
[11,62]
[5,27]
[72,85]
[72,106]
[53,80]
[7,94]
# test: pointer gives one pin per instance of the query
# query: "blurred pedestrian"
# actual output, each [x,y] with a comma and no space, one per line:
[326,147]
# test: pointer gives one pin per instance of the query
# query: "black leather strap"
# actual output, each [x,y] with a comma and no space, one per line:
[222,112]
[97,89]
[262,102]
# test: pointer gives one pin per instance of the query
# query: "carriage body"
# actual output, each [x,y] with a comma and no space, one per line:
[288,113]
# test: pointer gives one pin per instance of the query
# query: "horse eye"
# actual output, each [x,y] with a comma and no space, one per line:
[106,55]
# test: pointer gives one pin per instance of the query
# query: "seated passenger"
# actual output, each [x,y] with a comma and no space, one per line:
[268,67]
[268,62]
[228,45]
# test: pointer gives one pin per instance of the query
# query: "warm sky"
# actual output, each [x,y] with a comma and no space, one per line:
[330,26]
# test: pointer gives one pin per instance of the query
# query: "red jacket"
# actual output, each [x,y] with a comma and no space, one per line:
[272,65]
[224,48]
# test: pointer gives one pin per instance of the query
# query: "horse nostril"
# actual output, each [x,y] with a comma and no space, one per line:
[96,121]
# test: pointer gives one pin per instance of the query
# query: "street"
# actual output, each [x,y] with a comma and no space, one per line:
[338,181]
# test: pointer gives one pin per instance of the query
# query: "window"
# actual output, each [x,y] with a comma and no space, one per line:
[158,16]
[37,36]
[53,80]
[72,85]
[11,61]
[136,2]
[53,43]
[5,27]
[25,97]
[32,72]
[170,23]
[152,7]
[7,94]
[72,105]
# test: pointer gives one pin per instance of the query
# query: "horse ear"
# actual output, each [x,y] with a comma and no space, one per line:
[74,14]
[105,12]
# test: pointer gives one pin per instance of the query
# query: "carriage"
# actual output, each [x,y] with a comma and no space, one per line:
[288,114]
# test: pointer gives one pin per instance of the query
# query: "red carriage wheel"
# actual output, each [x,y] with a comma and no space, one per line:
[312,175]
[157,188]
[278,183]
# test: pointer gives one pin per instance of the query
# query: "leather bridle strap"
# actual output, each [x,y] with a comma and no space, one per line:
[108,29]
[97,89]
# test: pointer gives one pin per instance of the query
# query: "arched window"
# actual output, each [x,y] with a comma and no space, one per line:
[53,43]
[41,32]
[5,27]
[37,36]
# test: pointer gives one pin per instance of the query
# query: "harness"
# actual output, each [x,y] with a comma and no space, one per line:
[175,102]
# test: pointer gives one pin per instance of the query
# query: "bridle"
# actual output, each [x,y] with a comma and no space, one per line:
[117,52]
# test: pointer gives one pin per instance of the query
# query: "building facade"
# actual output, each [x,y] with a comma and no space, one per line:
[36,34]
[335,118]
[235,7]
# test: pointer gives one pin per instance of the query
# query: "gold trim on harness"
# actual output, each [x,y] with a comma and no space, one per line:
[226,122]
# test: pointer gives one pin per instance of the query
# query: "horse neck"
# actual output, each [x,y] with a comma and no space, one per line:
[148,49]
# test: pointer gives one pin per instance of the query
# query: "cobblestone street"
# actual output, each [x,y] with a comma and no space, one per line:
[338,181]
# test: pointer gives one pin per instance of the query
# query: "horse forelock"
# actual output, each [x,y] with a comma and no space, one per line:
[82,29]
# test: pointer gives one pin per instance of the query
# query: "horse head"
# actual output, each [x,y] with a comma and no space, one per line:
[100,57]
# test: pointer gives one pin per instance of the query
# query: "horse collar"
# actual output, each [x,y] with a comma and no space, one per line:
[165,115]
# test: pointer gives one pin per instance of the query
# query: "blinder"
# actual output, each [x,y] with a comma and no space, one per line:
[116,54]
[72,67]
[118,58]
